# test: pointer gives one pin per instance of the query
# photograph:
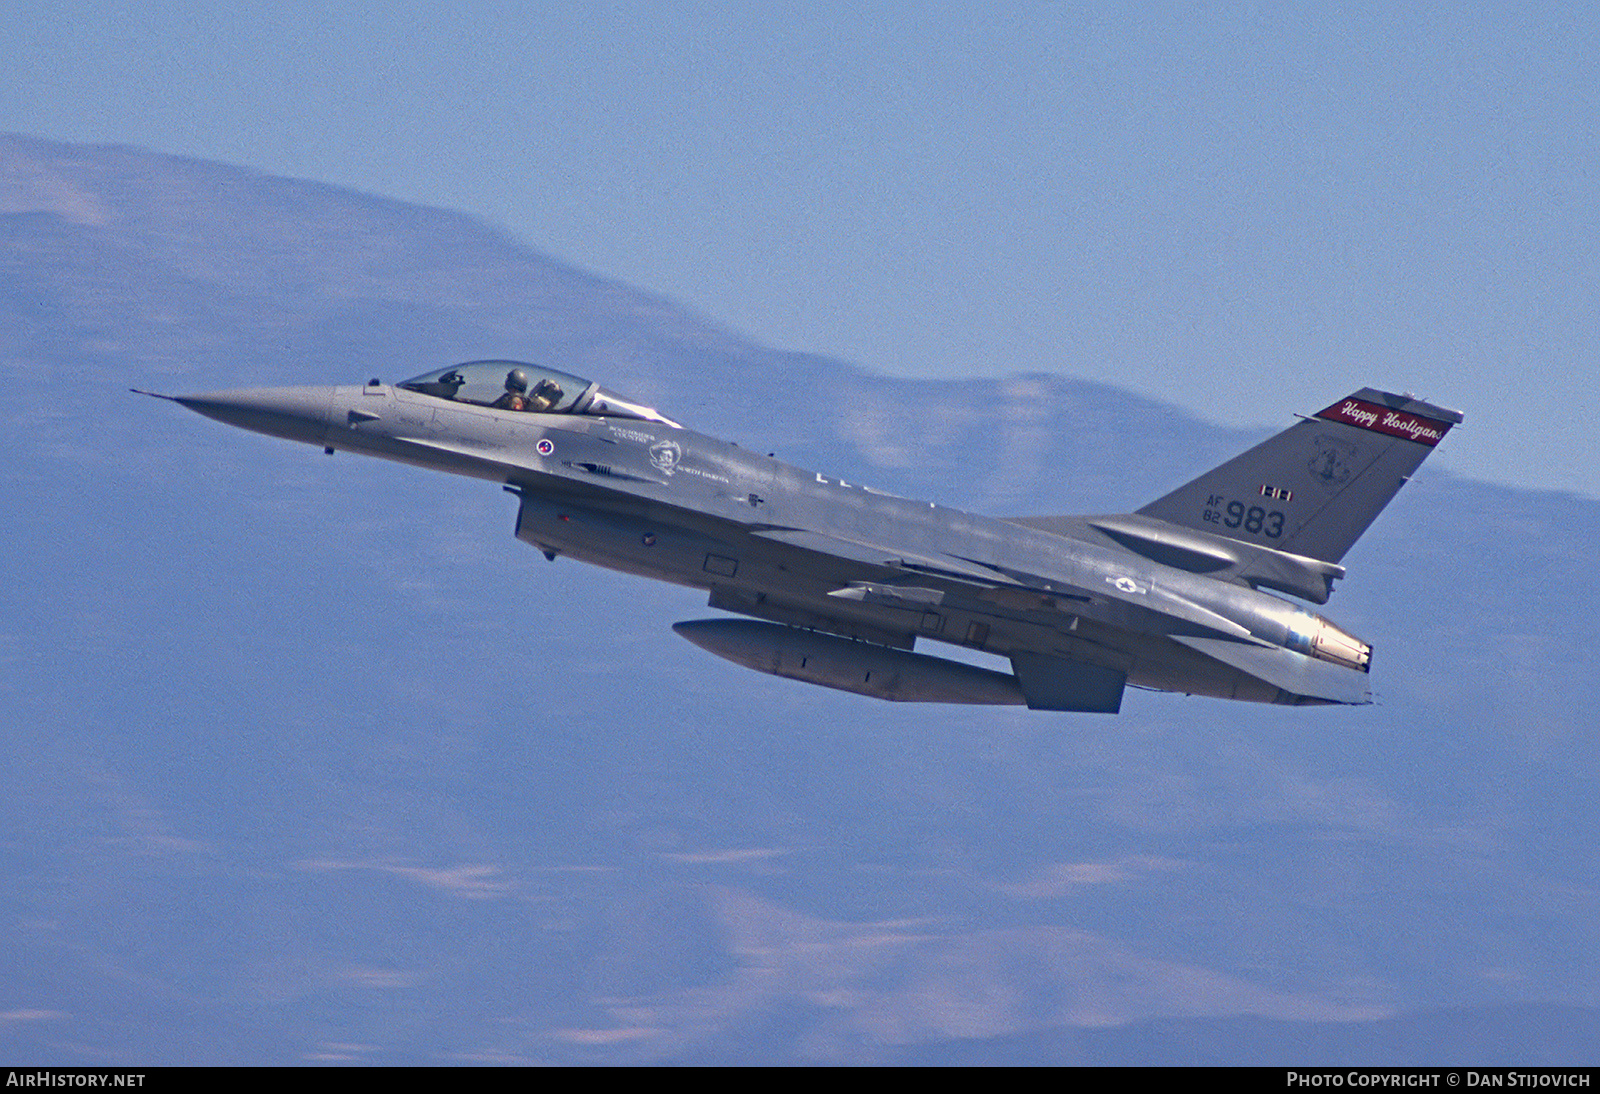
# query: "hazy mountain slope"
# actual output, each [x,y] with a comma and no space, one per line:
[312,760]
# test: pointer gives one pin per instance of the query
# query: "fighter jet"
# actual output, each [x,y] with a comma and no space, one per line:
[1199,592]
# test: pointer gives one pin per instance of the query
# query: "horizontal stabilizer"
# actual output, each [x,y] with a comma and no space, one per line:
[1300,676]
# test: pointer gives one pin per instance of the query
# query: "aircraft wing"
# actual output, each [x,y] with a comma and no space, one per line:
[876,554]
[1008,588]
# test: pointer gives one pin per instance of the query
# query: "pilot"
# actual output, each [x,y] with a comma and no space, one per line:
[516,393]
[546,394]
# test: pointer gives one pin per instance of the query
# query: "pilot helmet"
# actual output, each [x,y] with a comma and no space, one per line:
[517,380]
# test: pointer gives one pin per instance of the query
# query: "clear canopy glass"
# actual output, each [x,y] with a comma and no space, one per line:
[491,383]
[520,386]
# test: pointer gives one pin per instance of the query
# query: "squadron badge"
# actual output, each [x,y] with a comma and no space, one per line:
[665,455]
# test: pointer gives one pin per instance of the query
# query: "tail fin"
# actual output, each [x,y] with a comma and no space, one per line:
[1314,488]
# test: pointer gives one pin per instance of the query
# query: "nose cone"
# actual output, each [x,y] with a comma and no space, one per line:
[293,413]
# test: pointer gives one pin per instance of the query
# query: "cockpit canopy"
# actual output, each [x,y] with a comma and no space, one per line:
[517,385]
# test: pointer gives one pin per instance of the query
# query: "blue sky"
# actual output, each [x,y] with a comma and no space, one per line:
[1246,210]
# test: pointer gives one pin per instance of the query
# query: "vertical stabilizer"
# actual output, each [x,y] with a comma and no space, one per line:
[1314,488]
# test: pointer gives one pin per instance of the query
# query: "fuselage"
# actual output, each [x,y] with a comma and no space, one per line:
[634,492]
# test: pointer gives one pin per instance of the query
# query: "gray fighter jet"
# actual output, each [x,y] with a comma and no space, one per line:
[838,580]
